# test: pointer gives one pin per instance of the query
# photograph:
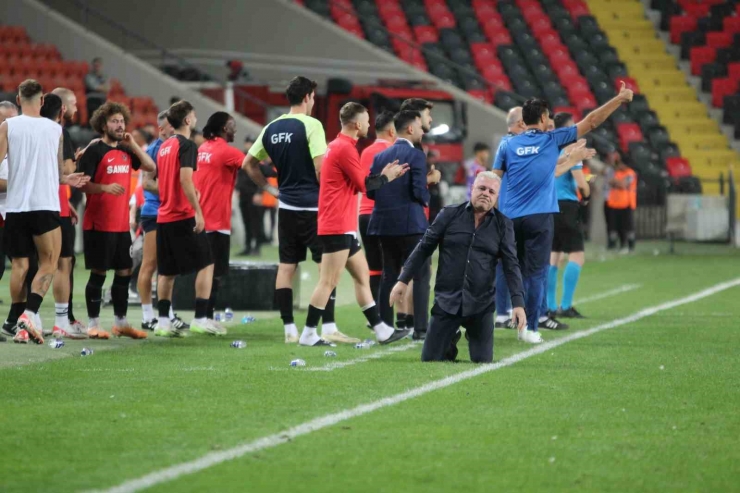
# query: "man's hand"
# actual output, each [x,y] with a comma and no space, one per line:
[257,199]
[76,180]
[394,170]
[197,195]
[398,293]
[519,318]
[200,223]
[113,189]
[433,176]
[625,95]
[132,222]
[582,152]
[128,140]
[73,215]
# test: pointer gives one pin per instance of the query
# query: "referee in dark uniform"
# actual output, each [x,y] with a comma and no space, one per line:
[472,237]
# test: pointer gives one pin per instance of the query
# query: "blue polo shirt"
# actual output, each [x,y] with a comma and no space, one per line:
[566,186]
[502,192]
[151,200]
[529,161]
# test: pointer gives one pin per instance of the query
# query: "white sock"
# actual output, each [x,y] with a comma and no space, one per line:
[542,319]
[382,331]
[172,313]
[60,315]
[291,330]
[147,312]
[502,318]
[37,321]
[164,323]
[329,328]
[120,321]
[309,337]
[93,322]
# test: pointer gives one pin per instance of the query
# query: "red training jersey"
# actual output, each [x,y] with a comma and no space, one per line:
[64,201]
[342,177]
[175,153]
[107,165]
[366,161]
[218,164]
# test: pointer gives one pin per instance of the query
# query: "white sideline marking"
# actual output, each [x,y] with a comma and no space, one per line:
[607,294]
[215,458]
[374,355]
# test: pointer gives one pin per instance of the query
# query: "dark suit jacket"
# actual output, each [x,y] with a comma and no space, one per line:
[399,205]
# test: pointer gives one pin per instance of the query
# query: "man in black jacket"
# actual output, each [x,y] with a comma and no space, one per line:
[472,237]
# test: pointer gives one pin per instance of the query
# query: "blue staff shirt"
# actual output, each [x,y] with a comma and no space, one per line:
[529,161]
[151,200]
[565,184]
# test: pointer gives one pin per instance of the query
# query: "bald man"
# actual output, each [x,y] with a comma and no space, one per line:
[515,126]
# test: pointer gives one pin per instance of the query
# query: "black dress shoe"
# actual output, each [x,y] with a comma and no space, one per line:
[397,335]
[570,313]
[419,336]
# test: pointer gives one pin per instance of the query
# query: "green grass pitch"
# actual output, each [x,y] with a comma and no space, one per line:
[649,406]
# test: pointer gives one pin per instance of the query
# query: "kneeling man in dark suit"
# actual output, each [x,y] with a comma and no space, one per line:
[472,237]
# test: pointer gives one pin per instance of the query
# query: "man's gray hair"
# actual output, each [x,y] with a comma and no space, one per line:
[9,105]
[161,117]
[488,174]
[515,114]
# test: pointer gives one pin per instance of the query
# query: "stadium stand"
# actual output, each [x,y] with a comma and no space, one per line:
[22,59]
[505,51]
[708,34]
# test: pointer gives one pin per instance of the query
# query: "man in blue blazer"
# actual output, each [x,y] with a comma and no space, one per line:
[400,218]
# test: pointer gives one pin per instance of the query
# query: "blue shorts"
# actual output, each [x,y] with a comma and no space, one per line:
[533,236]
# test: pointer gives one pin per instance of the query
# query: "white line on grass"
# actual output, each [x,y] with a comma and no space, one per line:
[607,294]
[374,355]
[214,458]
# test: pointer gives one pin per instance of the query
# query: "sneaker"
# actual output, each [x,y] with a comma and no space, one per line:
[21,337]
[320,342]
[570,313]
[291,338]
[34,334]
[337,336]
[530,336]
[506,324]
[97,333]
[207,327]
[552,324]
[128,331]
[151,325]
[8,329]
[624,251]
[169,331]
[77,326]
[71,332]
[397,335]
[179,324]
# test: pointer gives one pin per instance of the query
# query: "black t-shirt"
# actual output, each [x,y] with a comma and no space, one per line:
[68,148]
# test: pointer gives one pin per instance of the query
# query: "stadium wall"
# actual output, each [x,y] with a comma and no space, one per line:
[276,27]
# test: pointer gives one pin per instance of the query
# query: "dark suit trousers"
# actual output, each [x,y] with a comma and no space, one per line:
[442,329]
[396,249]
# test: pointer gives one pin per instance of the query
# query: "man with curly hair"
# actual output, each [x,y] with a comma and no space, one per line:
[106,231]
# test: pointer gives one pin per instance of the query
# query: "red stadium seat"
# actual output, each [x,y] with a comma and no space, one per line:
[559,56]
[568,109]
[566,69]
[697,10]
[481,94]
[627,133]
[492,72]
[629,82]
[586,101]
[549,39]
[425,34]
[499,38]
[733,70]
[719,39]
[483,51]
[539,24]
[500,82]
[722,87]
[699,55]
[395,23]
[680,24]
[731,24]
[444,21]
[678,167]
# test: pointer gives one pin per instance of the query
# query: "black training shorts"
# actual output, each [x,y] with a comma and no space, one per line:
[180,250]
[296,234]
[568,236]
[105,250]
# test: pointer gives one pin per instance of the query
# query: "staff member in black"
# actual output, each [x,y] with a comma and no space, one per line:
[472,237]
